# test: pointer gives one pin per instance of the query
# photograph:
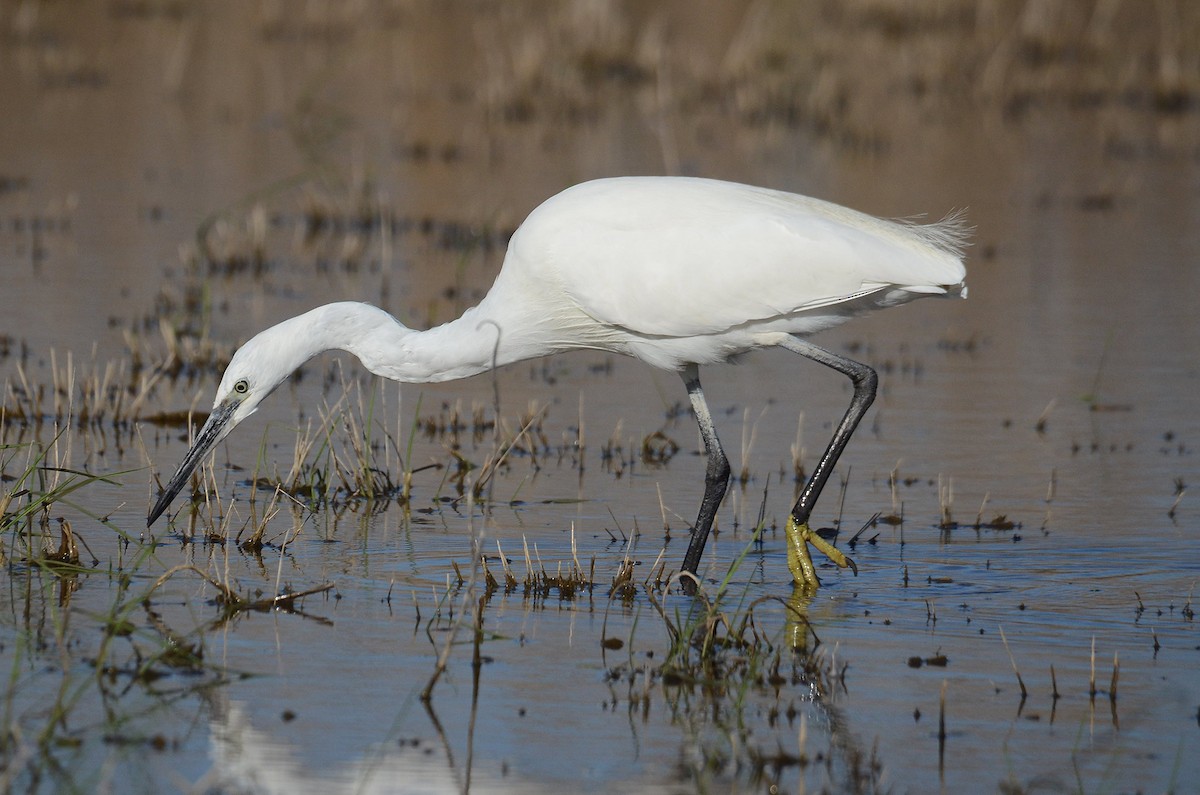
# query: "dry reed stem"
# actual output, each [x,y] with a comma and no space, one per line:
[797,451]
[1092,674]
[946,502]
[1011,659]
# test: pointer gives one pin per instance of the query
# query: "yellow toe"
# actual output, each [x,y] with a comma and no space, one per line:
[804,573]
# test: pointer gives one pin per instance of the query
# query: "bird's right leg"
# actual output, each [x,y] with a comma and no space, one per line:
[799,535]
[716,477]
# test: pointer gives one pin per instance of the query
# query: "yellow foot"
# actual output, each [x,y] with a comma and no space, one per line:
[799,536]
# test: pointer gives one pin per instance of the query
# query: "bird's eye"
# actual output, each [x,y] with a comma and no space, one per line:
[242,387]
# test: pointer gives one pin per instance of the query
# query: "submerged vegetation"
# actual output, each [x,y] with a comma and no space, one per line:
[744,676]
[165,599]
[496,555]
[121,668]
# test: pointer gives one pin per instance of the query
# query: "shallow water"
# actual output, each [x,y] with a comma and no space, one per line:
[1059,395]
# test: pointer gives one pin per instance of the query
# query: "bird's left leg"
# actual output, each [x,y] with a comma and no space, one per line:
[799,536]
[716,478]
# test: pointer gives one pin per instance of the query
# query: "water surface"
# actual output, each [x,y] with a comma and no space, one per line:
[217,169]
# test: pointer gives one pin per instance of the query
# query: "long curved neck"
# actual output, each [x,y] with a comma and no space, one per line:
[467,346]
[472,344]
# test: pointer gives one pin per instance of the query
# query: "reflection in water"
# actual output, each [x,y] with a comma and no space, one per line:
[230,164]
[245,758]
[708,703]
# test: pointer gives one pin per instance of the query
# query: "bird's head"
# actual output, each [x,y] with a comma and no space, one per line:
[255,371]
[271,356]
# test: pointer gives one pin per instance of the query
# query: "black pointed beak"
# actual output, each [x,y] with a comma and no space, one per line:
[213,431]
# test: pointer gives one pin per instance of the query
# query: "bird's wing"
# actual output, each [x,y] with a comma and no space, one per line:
[688,257]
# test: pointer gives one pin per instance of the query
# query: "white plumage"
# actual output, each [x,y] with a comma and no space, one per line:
[675,271]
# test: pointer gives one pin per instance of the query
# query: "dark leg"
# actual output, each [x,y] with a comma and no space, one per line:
[716,478]
[865,381]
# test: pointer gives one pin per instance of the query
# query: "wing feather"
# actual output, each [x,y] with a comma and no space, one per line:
[680,257]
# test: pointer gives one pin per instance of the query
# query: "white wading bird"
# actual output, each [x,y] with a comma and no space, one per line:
[675,271]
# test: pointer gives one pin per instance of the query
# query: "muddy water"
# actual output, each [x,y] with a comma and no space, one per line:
[206,166]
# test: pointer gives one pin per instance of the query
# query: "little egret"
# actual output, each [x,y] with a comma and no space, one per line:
[678,272]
